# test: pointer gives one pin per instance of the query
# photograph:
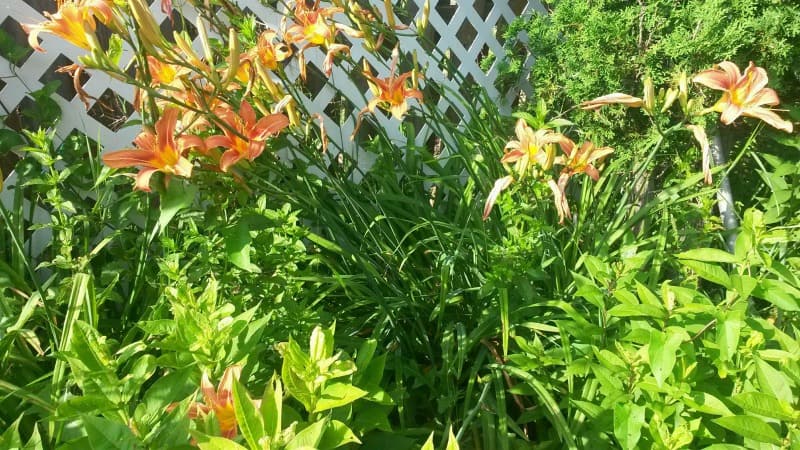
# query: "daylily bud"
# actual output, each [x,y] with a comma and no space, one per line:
[185,45]
[683,91]
[415,71]
[149,31]
[234,54]
[669,99]
[550,157]
[422,23]
[649,95]
[389,12]
[203,34]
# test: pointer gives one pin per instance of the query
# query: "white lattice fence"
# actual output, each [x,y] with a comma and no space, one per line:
[465,30]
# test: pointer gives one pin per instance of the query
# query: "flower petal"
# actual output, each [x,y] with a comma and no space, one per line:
[499,185]
[143,179]
[702,139]
[615,98]
[129,158]
[770,117]
[560,199]
[730,113]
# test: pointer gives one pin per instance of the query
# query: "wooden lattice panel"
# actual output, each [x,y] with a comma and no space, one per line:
[464,30]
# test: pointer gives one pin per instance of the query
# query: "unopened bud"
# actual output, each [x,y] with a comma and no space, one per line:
[422,23]
[649,100]
[669,99]
[148,29]
[683,92]
[234,55]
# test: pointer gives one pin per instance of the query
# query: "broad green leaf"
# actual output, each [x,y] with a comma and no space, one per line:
[428,445]
[662,353]
[744,285]
[628,421]
[708,271]
[370,377]
[592,410]
[365,354]
[588,290]
[772,381]
[452,442]
[296,362]
[321,343]
[610,360]
[336,435]
[750,427]
[729,326]
[179,195]
[215,443]
[647,297]
[707,403]
[338,394]
[272,407]
[778,293]
[372,416]
[724,447]
[237,246]
[764,405]
[10,139]
[246,415]
[709,255]
[103,433]
[626,297]
[308,437]
[643,310]
[10,437]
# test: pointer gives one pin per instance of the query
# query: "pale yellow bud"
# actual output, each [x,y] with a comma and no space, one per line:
[148,29]
[648,103]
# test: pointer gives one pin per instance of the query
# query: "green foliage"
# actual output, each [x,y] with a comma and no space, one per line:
[685,365]
[627,327]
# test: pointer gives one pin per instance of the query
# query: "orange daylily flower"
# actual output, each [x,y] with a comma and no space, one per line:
[744,94]
[75,71]
[391,93]
[612,99]
[219,401]
[268,51]
[163,72]
[314,27]
[575,161]
[158,151]
[580,160]
[74,22]
[531,146]
[249,139]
